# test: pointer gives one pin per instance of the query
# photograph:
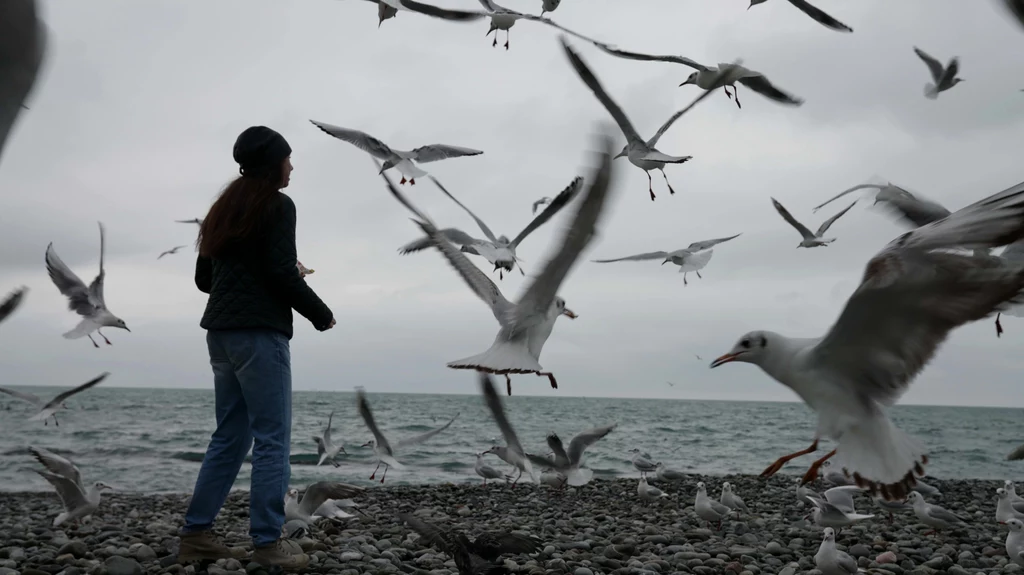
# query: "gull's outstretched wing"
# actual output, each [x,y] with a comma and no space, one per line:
[560,201]
[950,71]
[760,84]
[404,442]
[453,235]
[537,299]
[321,491]
[361,140]
[80,299]
[828,223]
[821,17]
[934,66]
[435,152]
[705,244]
[806,233]
[71,493]
[594,84]
[614,51]
[483,227]
[11,302]
[327,431]
[672,119]
[435,11]
[364,411]
[96,287]
[63,396]
[561,459]
[33,399]
[497,409]
[909,208]
[56,464]
[637,258]
[581,442]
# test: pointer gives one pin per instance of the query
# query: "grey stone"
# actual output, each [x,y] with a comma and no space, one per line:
[77,548]
[117,565]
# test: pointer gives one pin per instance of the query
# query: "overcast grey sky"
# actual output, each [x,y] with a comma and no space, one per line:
[138,105]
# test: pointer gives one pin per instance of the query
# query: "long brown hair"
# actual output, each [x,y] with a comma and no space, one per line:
[239,213]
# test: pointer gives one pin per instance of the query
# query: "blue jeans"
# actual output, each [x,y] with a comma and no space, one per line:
[252,381]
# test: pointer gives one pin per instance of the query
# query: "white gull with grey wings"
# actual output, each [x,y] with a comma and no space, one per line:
[527,324]
[568,462]
[693,258]
[403,161]
[79,501]
[48,409]
[913,294]
[512,452]
[810,240]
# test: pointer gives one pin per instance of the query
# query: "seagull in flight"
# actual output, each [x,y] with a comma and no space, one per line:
[692,258]
[173,250]
[381,447]
[810,240]
[943,77]
[499,251]
[325,448]
[670,384]
[11,302]
[568,462]
[512,452]
[316,494]
[22,48]
[404,161]
[503,19]
[66,479]
[816,13]
[195,221]
[526,324]
[48,409]
[911,209]
[640,153]
[914,292]
[88,302]
[710,77]
[389,9]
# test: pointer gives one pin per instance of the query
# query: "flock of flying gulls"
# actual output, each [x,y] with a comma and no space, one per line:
[936,276]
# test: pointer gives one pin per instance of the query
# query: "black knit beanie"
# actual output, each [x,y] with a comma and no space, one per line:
[259,151]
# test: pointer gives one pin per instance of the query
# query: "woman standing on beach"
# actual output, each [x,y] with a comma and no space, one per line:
[247,264]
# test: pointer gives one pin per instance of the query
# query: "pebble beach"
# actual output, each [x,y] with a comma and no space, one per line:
[602,527]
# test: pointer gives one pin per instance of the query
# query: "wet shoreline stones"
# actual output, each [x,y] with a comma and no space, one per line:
[602,527]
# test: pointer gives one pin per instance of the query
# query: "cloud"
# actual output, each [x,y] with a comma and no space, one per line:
[134,117]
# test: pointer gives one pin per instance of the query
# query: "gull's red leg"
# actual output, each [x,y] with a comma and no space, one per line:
[551,378]
[775,467]
[812,473]
[670,190]
[386,467]
[94,344]
[104,337]
[402,181]
[372,475]
[650,186]
[412,181]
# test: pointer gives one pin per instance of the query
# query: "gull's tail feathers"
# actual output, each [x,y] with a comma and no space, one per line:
[391,462]
[881,458]
[84,328]
[930,91]
[60,518]
[580,476]
[501,358]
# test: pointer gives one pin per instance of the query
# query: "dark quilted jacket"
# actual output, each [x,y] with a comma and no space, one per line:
[257,284]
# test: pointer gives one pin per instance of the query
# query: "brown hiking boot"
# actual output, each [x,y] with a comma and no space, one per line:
[278,554]
[205,546]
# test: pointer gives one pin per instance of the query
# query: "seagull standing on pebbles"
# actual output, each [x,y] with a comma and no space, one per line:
[648,493]
[50,408]
[88,302]
[913,293]
[325,448]
[65,477]
[828,515]
[932,515]
[665,474]
[11,302]
[640,153]
[731,500]
[944,78]
[315,496]
[527,324]
[810,240]
[381,447]
[830,560]
[642,463]
[1005,509]
[708,509]
[834,476]
[512,452]
[488,472]
[891,507]
[404,161]
[816,13]
[1015,541]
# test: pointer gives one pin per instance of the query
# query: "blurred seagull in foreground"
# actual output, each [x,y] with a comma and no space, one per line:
[512,452]
[11,302]
[88,302]
[913,293]
[389,9]
[50,408]
[315,496]
[325,448]
[22,48]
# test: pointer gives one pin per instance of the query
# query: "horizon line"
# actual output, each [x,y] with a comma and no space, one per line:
[544,396]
